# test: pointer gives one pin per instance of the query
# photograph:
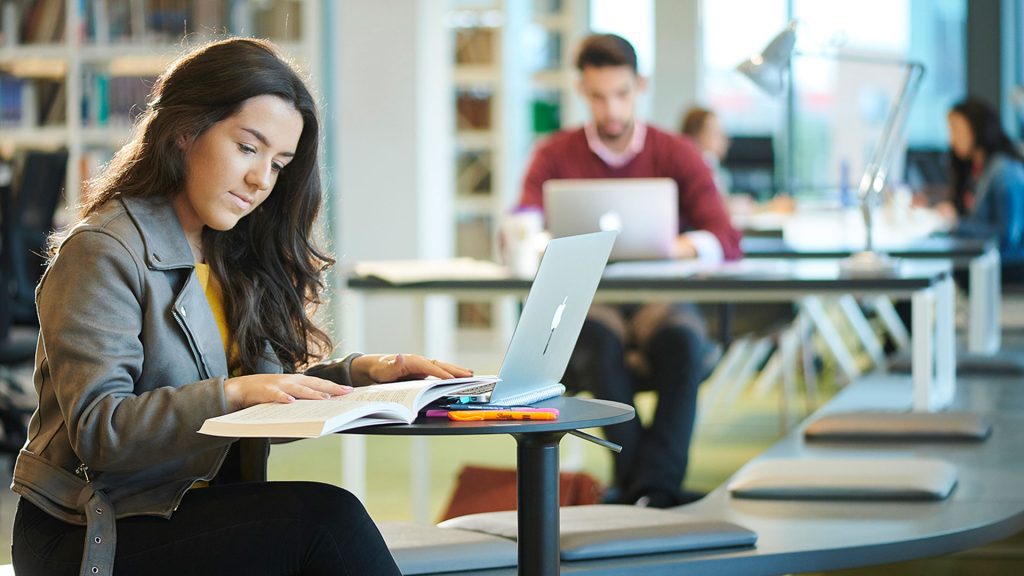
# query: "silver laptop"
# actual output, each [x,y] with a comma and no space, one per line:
[550,323]
[643,210]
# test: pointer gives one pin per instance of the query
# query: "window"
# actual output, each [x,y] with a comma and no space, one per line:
[839,105]
[634,21]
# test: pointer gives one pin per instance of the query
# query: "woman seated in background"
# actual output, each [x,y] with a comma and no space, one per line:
[186,291]
[987,180]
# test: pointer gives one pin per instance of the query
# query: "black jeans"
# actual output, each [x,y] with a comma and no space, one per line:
[271,528]
[653,460]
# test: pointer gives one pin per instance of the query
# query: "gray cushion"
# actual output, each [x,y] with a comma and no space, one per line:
[427,549]
[607,530]
[845,479]
[899,426]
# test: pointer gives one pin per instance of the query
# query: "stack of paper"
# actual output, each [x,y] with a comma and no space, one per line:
[656,269]
[411,271]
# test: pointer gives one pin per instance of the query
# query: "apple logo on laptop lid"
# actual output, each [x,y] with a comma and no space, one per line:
[610,221]
[555,321]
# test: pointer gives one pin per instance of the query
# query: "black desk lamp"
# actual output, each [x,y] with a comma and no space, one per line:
[768,70]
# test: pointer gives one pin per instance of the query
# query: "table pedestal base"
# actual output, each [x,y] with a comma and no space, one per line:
[538,503]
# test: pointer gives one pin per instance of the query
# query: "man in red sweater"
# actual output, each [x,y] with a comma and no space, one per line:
[625,348]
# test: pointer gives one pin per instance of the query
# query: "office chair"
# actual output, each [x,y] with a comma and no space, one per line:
[926,171]
[17,348]
[26,219]
[28,213]
[751,165]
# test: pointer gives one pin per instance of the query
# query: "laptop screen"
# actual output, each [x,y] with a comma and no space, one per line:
[643,210]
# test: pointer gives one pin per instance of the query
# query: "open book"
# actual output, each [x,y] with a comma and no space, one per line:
[392,403]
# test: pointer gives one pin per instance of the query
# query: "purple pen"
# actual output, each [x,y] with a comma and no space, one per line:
[443,412]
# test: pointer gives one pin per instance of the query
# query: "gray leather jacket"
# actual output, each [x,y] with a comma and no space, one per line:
[128,366]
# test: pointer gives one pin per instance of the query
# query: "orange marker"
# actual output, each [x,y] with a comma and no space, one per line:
[470,415]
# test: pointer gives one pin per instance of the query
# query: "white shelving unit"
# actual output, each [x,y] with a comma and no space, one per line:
[559,25]
[83,45]
[508,55]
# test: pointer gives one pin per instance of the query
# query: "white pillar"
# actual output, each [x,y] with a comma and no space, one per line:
[676,78]
[392,167]
[391,170]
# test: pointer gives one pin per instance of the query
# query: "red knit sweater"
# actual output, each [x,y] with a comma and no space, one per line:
[567,155]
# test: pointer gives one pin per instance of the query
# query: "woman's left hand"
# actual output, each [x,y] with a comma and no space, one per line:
[373,368]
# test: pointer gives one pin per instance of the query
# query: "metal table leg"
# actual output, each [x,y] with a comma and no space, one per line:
[983,328]
[537,455]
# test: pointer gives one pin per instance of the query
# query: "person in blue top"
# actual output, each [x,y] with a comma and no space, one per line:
[987,179]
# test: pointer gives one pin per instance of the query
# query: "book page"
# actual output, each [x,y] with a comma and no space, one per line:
[404,393]
[394,402]
[297,411]
[413,394]
[299,419]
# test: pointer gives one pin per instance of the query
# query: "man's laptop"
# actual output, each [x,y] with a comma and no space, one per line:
[550,323]
[643,210]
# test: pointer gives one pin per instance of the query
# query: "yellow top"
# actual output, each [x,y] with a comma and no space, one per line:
[214,295]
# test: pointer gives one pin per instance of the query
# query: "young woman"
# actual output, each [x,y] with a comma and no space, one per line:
[185,292]
[987,181]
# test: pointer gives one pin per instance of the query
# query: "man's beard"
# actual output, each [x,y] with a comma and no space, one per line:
[627,128]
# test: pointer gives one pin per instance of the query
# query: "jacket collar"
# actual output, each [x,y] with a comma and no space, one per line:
[162,234]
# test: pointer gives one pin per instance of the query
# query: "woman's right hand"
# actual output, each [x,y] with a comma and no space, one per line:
[244,391]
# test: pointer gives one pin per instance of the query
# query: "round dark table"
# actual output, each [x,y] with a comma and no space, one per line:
[536,462]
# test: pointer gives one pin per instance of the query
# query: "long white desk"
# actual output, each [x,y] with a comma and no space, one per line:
[980,257]
[927,284]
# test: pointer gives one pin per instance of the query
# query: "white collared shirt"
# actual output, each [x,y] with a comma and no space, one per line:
[611,157]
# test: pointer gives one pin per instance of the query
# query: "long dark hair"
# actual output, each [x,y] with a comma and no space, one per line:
[989,137]
[268,265]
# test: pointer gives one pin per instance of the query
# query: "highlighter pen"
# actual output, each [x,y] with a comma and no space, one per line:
[475,415]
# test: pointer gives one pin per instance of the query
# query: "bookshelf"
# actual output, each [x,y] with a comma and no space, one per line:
[75,73]
[556,27]
[513,82]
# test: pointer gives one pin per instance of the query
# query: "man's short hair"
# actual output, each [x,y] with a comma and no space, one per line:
[600,50]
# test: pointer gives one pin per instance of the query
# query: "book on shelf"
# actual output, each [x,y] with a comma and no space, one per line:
[42,21]
[473,173]
[280,21]
[474,46]
[109,100]
[473,109]
[31,102]
[392,403]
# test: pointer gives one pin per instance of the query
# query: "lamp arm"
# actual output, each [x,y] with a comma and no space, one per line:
[875,173]
[862,57]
